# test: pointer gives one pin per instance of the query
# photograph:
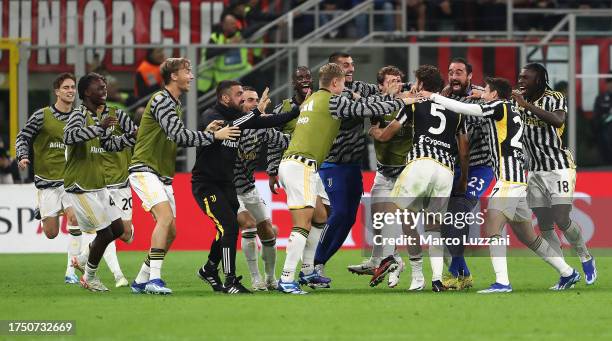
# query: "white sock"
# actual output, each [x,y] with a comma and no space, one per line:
[416,264]
[85,244]
[388,232]
[74,248]
[249,248]
[143,274]
[550,235]
[110,257]
[90,271]
[543,249]
[436,257]
[155,271]
[499,262]
[268,254]
[573,234]
[295,249]
[311,248]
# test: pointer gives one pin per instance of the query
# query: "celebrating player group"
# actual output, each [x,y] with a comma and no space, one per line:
[438,149]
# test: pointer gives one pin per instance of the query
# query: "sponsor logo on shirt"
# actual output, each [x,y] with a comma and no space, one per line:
[96,150]
[57,145]
[433,142]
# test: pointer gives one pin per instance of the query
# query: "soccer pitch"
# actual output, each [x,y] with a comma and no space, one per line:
[32,288]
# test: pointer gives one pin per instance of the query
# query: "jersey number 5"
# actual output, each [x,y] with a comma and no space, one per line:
[436,111]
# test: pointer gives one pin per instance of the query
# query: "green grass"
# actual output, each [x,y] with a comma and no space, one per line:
[31,287]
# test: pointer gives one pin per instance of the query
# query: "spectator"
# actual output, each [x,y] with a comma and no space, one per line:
[389,21]
[254,15]
[229,63]
[331,5]
[602,121]
[148,75]
[302,23]
[441,15]
[539,21]
[8,168]
[492,14]
[415,15]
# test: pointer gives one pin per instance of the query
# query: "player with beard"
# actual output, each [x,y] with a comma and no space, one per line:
[471,182]
[44,133]
[253,217]
[552,171]
[212,180]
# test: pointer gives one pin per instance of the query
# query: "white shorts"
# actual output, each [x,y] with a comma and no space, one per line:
[423,185]
[253,203]
[547,188]
[382,188]
[122,198]
[151,190]
[52,202]
[93,210]
[511,200]
[301,183]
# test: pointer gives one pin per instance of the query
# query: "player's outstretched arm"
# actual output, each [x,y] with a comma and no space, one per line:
[456,106]
[25,137]
[164,113]
[345,108]
[364,89]
[76,130]
[115,143]
[384,135]
[253,120]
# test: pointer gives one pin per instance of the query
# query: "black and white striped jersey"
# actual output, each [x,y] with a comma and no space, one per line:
[249,151]
[350,144]
[435,132]
[543,141]
[477,133]
[77,131]
[506,128]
